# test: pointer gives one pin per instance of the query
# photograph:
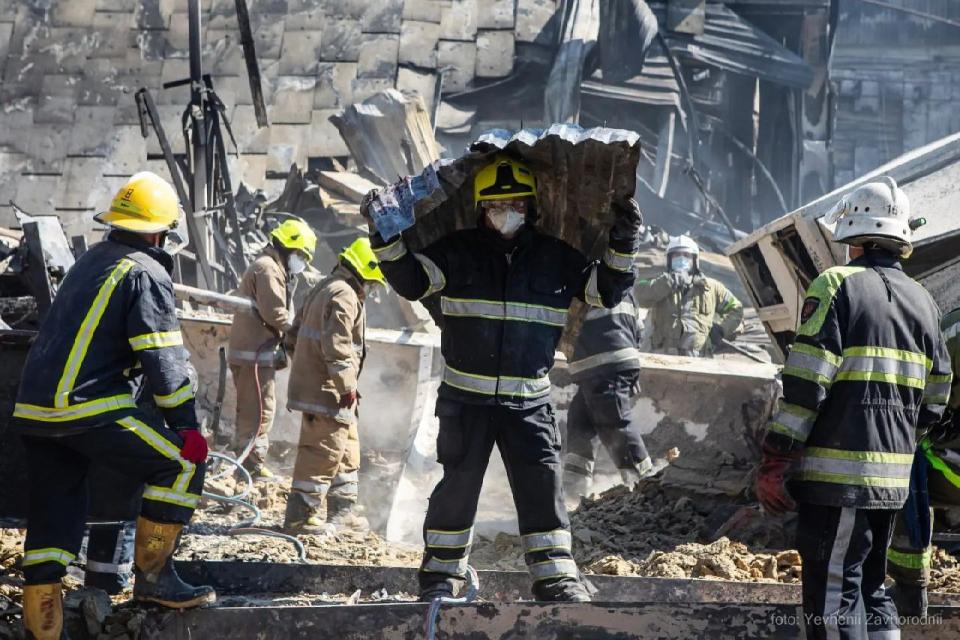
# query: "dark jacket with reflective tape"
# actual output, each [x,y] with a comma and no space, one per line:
[609,341]
[869,367]
[113,320]
[944,455]
[504,304]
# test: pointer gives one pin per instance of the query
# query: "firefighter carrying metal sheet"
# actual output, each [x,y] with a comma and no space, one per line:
[329,355]
[691,314]
[606,368]
[113,320]
[908,559]
[505,289]
[256,339]
[868,369]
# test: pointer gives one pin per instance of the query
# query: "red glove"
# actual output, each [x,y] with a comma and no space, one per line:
[771,483]
[349,399]
[194,446]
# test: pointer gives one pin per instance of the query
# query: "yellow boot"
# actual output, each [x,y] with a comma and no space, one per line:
[155,579]
[43,611]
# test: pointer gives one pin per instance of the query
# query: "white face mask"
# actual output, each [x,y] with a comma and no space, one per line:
[507,221]
[681,263]
[296,263]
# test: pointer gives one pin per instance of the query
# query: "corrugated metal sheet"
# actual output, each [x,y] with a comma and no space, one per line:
[655,86]
[731,43]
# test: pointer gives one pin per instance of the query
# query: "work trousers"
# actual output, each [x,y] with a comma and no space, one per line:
[529,443]
[251,420]
[58,490]
[844,553]
[602,413]
[107,551]
[328,460]
[909,561]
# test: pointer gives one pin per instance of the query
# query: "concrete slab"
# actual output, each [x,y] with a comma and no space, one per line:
[384,16]
[496,14]
[461,60]
[378,56]
[458,20]
[495,51]
[418,43]
[340,41]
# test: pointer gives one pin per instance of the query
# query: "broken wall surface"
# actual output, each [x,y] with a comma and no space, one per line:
[898,81]
[69,129]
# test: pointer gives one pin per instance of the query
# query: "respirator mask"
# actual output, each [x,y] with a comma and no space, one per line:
[506,220]
[296,264]
[681,264]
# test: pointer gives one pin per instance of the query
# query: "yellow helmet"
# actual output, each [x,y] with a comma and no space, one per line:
[360,256]
[146,203]
[502,179]
[295,234]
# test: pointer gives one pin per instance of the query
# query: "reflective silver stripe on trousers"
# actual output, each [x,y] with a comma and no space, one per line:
[855,467]
[885,634]
[591,292]
[811,363]
[623,308]
[619,261]
[345,478]
[578,463]
[437,280]
[833,594]
[627,354]
[308,486]
[109,567]
[890,366]
[560,568]
[557,539]
[449,539]
[265,357]
[391,252]
[457,567]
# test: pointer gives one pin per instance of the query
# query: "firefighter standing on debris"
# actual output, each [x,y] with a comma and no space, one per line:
[868,369]
[329,356]
[112,321]
[691,314]
[505,289]
[256,347]
[908,558]
[606,368]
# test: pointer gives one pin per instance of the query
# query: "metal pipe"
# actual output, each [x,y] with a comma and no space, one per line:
[199,141]
[221,301]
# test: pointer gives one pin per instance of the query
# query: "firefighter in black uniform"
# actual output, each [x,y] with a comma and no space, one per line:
[112,321]
[606,368]
[868,370]
[505,290]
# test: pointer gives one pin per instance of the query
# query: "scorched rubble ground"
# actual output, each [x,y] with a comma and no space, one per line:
[651,531]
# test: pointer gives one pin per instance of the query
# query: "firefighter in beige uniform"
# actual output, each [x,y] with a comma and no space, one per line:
[323,385]
[255,341]
[691,314]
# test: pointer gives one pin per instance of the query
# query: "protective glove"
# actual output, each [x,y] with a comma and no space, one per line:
[368,198]
[716,336]
[628,221]
[194,446]
[771,485]
[349,399]
[679,280]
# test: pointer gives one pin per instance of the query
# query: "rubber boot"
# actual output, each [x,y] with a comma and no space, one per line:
[43,611]
[302,518]
[566,590]
[155,579]
[440,589]
[344,514]
[911,600]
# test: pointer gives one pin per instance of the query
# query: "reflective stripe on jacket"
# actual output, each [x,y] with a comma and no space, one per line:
[504,305]
[330,346]
[255,334]
[868,368]
[681,320]
[609,341]
[114,319]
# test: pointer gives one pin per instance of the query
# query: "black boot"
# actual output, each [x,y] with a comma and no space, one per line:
[167,589]
[155,579]
[911,600]
[441,589]
[565,590]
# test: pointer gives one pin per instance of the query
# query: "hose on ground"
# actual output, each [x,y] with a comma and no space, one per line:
[433,612]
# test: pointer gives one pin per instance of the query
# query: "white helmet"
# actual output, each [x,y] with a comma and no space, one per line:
[875,212]
[683,243]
